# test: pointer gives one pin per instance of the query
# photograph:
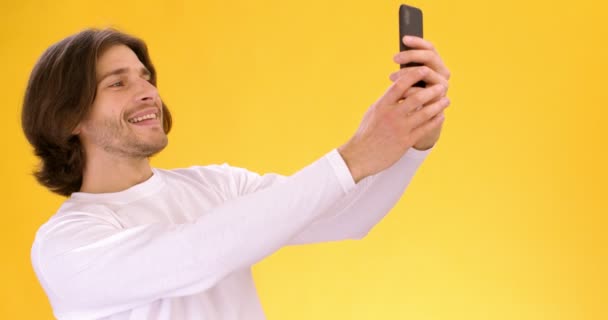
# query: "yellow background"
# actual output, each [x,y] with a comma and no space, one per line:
[505,220]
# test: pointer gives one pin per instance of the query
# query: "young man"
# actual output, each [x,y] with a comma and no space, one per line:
[135,242]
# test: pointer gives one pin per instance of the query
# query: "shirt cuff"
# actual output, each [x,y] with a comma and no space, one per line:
[418,154]
[341,170]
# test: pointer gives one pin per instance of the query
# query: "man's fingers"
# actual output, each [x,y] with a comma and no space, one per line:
[396,91]
[427,127]
[417,43]
[410,92]
[417,118]
[421,98]
[426,57]
[431,79]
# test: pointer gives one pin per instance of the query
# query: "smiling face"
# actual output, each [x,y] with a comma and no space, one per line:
[126,115]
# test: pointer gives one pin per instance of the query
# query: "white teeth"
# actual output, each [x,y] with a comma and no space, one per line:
[144,117]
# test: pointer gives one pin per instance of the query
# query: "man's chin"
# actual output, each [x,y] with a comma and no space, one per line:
[146,150]
[154,150]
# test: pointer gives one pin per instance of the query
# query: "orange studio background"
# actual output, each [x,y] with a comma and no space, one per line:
[505,220]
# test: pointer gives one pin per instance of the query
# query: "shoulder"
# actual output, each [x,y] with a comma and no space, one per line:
[210,174]
[73,215]
[224,177]
[72,224]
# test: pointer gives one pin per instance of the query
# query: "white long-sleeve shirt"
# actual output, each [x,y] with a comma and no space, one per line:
[181,244]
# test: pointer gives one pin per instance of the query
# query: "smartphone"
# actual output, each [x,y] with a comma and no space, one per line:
[410,23]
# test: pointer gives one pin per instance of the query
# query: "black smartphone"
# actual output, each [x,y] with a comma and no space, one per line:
[410,23]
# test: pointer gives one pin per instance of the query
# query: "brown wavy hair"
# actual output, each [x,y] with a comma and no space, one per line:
[59,95]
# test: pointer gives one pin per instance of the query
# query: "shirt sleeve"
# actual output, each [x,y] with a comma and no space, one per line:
[361,207]
[86,262]
[365,204]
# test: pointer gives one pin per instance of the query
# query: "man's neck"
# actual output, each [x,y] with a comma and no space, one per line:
[105,173]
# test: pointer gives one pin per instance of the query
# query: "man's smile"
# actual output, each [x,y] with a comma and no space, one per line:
[146,116]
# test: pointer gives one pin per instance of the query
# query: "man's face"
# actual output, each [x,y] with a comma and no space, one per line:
[126,116]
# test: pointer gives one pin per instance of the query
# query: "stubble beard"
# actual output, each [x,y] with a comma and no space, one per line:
[121,141]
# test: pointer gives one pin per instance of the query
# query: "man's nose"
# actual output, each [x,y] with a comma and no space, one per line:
[145,91]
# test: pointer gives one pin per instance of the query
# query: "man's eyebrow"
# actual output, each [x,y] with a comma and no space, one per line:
[143,71]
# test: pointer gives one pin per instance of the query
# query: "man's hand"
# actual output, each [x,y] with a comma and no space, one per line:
[423,52]
[396,122]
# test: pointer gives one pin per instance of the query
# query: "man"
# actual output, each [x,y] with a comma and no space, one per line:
[135,242]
